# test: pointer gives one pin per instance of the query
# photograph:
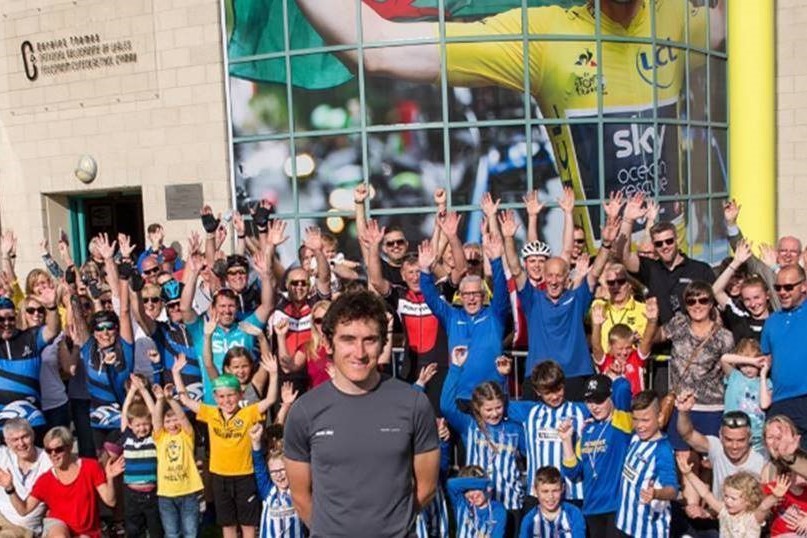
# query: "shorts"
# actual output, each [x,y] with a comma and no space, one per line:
[236,500]
[705,422]
[50,523]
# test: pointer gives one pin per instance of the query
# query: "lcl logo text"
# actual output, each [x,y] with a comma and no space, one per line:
[29,61]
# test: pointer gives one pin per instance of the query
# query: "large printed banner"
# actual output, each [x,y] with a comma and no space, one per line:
[627,110]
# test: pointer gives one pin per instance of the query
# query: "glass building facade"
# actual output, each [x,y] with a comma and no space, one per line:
[529,95]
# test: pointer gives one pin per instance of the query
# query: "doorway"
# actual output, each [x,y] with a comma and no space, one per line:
[106,212]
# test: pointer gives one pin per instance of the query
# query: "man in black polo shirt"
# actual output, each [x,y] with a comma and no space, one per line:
[665,277]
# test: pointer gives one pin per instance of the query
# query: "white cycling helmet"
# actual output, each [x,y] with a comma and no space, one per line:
[535,248]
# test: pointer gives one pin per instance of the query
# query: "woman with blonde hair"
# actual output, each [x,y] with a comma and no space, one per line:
[313,355]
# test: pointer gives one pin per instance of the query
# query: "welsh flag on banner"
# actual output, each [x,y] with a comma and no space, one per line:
[258,29]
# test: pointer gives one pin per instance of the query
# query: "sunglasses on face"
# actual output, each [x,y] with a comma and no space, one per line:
[395,243]
[106,302]
[35,310]
[580,241]
[8,319]
[471,294]
[787,287]
[616,283]
[105,326]
[152,300]
[55,450]
[298,283]
[317,321]
[692,301]
[171,306]
[236,272]
[734,421]
[661,242]
[474,261]
[152,271]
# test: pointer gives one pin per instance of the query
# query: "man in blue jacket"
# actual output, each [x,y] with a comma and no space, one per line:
[478,328]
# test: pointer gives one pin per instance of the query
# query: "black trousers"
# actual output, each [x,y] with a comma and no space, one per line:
[602,526]
[141,512]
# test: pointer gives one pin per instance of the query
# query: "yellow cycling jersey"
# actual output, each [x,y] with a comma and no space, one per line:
[563,80]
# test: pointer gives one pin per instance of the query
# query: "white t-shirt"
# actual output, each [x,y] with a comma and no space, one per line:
[23,486]
[722,467]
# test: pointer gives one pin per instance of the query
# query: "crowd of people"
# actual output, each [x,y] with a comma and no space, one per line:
[159,393]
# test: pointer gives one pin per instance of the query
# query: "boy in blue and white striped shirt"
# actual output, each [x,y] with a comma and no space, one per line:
[541,421]
[552,517]
[278,516]
[648,482]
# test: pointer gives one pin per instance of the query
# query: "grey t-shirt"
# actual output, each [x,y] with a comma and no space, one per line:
[361,451]
[722,467]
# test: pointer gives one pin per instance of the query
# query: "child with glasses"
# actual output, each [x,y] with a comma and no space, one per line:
[748,388]
[278,517]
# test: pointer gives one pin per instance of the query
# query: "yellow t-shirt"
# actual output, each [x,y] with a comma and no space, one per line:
[176,466]
[563,78]
[230,446]
[632,315]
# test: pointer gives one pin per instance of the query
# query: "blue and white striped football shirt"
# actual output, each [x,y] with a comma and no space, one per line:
[432,521]
[569,523]
[647,462]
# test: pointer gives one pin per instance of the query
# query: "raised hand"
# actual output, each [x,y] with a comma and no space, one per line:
[105,249]
[6,480]
[8,242]
[597,313]
[614,204]
[179,363]
[504,365]
[731,210]
[256,432]
[488,206]
[136,383]
[611,229]
[682,459]
[194,244]
[375,233]
[635,207]
[238,224]
[443,432]
[565,429]
[783,484]
[269,363]
[313,238]
[426,374]
[425,255]
[449,222]
[767,254]
[652,211]
[212,322]
[458,355]
[743,252]
[43,246]
[158,391]
[114,467]
[287,393]
[209,222]
[440,197]
[685,401]
[532,203]
[507,223]
[360,193]
[282,328]
[125,245]
[276,234]
[566,200]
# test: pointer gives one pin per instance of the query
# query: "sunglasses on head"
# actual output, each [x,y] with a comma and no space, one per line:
[152,300]
[35,310]
[735,420]
[152,271]
[661,242]
[55,450]
[615,283]
[395,243]
[105,326]
[692,301]
[298,283]
[786,287]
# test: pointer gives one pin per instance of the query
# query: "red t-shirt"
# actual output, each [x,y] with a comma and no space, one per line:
[74,504]
[317,368]
[789,502]
[633,371]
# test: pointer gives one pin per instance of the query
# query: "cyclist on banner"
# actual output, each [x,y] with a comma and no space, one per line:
[563,78]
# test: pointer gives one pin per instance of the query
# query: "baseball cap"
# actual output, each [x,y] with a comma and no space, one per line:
[598,388]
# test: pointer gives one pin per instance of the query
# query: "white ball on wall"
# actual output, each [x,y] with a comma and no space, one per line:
[86,169]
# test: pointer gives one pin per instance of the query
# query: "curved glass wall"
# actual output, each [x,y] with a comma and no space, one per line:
[504,96]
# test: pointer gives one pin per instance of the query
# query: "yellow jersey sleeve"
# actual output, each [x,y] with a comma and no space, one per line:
[205,412]
[622,421]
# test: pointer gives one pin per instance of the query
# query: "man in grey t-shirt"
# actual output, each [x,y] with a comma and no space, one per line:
[362,453]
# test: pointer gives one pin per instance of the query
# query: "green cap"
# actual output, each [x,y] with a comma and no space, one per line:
[226,381]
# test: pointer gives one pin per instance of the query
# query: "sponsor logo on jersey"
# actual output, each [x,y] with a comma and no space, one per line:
[585,82]
[661,59]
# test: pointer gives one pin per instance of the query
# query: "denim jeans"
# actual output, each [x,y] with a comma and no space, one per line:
[141,513]
[180,515]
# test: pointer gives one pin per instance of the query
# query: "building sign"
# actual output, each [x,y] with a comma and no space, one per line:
[80,54]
